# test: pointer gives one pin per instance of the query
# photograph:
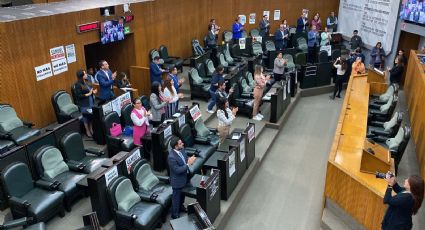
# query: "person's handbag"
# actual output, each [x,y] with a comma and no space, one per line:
[115,130]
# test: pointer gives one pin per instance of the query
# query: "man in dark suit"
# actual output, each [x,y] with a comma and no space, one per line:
[264,26]
[106,81]
[280,37]
[156,71]
[302,23]
[179,170]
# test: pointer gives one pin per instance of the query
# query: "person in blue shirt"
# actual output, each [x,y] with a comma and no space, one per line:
[177,82]
[106,81]
[312,44]
[216,78]
[156,71]
[237,30]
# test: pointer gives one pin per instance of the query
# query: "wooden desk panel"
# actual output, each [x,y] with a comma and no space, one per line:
[359,194]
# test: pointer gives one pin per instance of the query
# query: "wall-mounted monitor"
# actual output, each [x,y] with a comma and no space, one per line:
[413,11]
[111,31]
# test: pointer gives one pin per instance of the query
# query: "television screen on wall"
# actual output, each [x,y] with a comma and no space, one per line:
[413,11]
[111,31]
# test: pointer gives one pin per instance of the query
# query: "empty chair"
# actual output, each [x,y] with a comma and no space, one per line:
[244,34]
[227,36]
[74,152]
[150,186]
[270,46]
[323,56]
[197,48]
[63,106]
[246,89]
[244,104]
[385,129]
[28,199]
[383,112]
[117,143]
[145,102]
[383,98]
[198,88]
[202,72]
[25,222]
[223,62]
[129,210]
[229,57]
[254,32]
[210,67]
[51,167]
[154,53]
[300,59]
[5,145]
[290,65]
[250,79]
[176,61]
[302,44]
[126,115]
[257,49]
[206,135]
[13,128]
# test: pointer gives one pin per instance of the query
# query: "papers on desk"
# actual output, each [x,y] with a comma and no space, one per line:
[232,164]
[242,150]
[236,136]
[379,71]
[176,115]
[126,89]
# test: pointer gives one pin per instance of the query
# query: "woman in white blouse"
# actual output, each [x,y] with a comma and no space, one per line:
[170,92]
[140,118]
[225,117]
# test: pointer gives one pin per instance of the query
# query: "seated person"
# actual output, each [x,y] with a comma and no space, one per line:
[225,117]
[358,67]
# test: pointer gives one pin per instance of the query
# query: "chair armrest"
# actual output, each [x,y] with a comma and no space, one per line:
[95,151]
[376,123]
[376,112]
[202,140]
[127,217]
[47,185]
[373,106]
[146,195]
[4,135]
[381,133]
[27,123]
[379,139]
[16,223]
[75,166]
[213,130]
[24,204]
[164,179]
[191,151]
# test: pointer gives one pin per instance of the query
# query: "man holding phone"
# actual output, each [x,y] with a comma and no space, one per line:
[179,163]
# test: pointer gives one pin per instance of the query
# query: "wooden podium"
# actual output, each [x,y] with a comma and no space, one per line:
[378,161]
[376,76]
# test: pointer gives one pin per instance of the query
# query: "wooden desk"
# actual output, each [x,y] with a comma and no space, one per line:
[359,194]
[375,76]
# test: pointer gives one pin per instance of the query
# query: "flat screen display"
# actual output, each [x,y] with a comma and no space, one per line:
[413,11]
[112,31]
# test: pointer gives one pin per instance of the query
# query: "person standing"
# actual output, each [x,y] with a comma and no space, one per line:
[404,204]
[216,78]
[332,22]
[237,30]
[316,22]
[279,67]
[377,56]
[325,37]
[84,94]
[264,26]
[140,118]
[156,71]
[225,117]
[177,82]
[106,81]
[341,66]
[158,104]
[215,28]
[178,163]
[170,92]
[356,40]
[312,44]
[279,38]
[260,83]
[211,41]
[302,23]
[397,71]
[221,91]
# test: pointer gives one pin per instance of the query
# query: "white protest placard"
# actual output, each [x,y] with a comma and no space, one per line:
[327,49]
[284,92]
[57,53]
[125,99]
[43,71]
[242,150]
[107,108]
[251,133]
[195,113]
[252,18]
[242,42]
[182,120]
[70,53]
[242,18]
[111,174]
[267,13]
[131,159]
[116,105]
[59,66]
[232,163]
[276,15]
[168,131]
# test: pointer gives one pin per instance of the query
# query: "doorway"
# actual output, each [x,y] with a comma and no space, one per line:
[407,42]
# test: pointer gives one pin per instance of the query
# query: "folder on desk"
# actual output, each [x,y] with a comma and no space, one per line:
[375,158]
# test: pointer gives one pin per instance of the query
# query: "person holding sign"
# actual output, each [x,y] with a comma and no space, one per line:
[237,30]
[106,81]
[264,26]
[140,118]
[225,117]
[179,163]
[84,94]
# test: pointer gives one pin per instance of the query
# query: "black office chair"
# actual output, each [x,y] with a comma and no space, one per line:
[26,223]
[51,168]
[209,67]
[198,88]
[75,153]
[300,60]
[223,62]
[227,36]
[382,112]
[129,210]
[243,102]
[323,56]
[176,61]
[126,115]
[14,129]
[151,187]
[383,98]
[290,65]
[205,135]
[154,53]
[229,58]
[120,142]
[145,102]
[63,106]
[254,32]
[250,79]
[385,129]
[197,49]
[38,200]
[202,72]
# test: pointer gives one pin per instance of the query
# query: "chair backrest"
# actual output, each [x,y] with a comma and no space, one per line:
[223,62]
[163,52]
[385,107]
[289,58]
[323,56]
[404,142]
[245,87]
[108,120]
[126,115]
[270,46]
[122,195]
[227,55]
[302,44]
[300,59]
[250,79]
[65,103]
[186,135]
[244,34]
[201,129]
[72,146]
[254,32]
[227,36]
[8,118]
[257,49]
[201,70]
[154,53]
[196,48]
[16,179]
[193,74]
[49,162]
[210,66]
[143,175]
[145,102]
